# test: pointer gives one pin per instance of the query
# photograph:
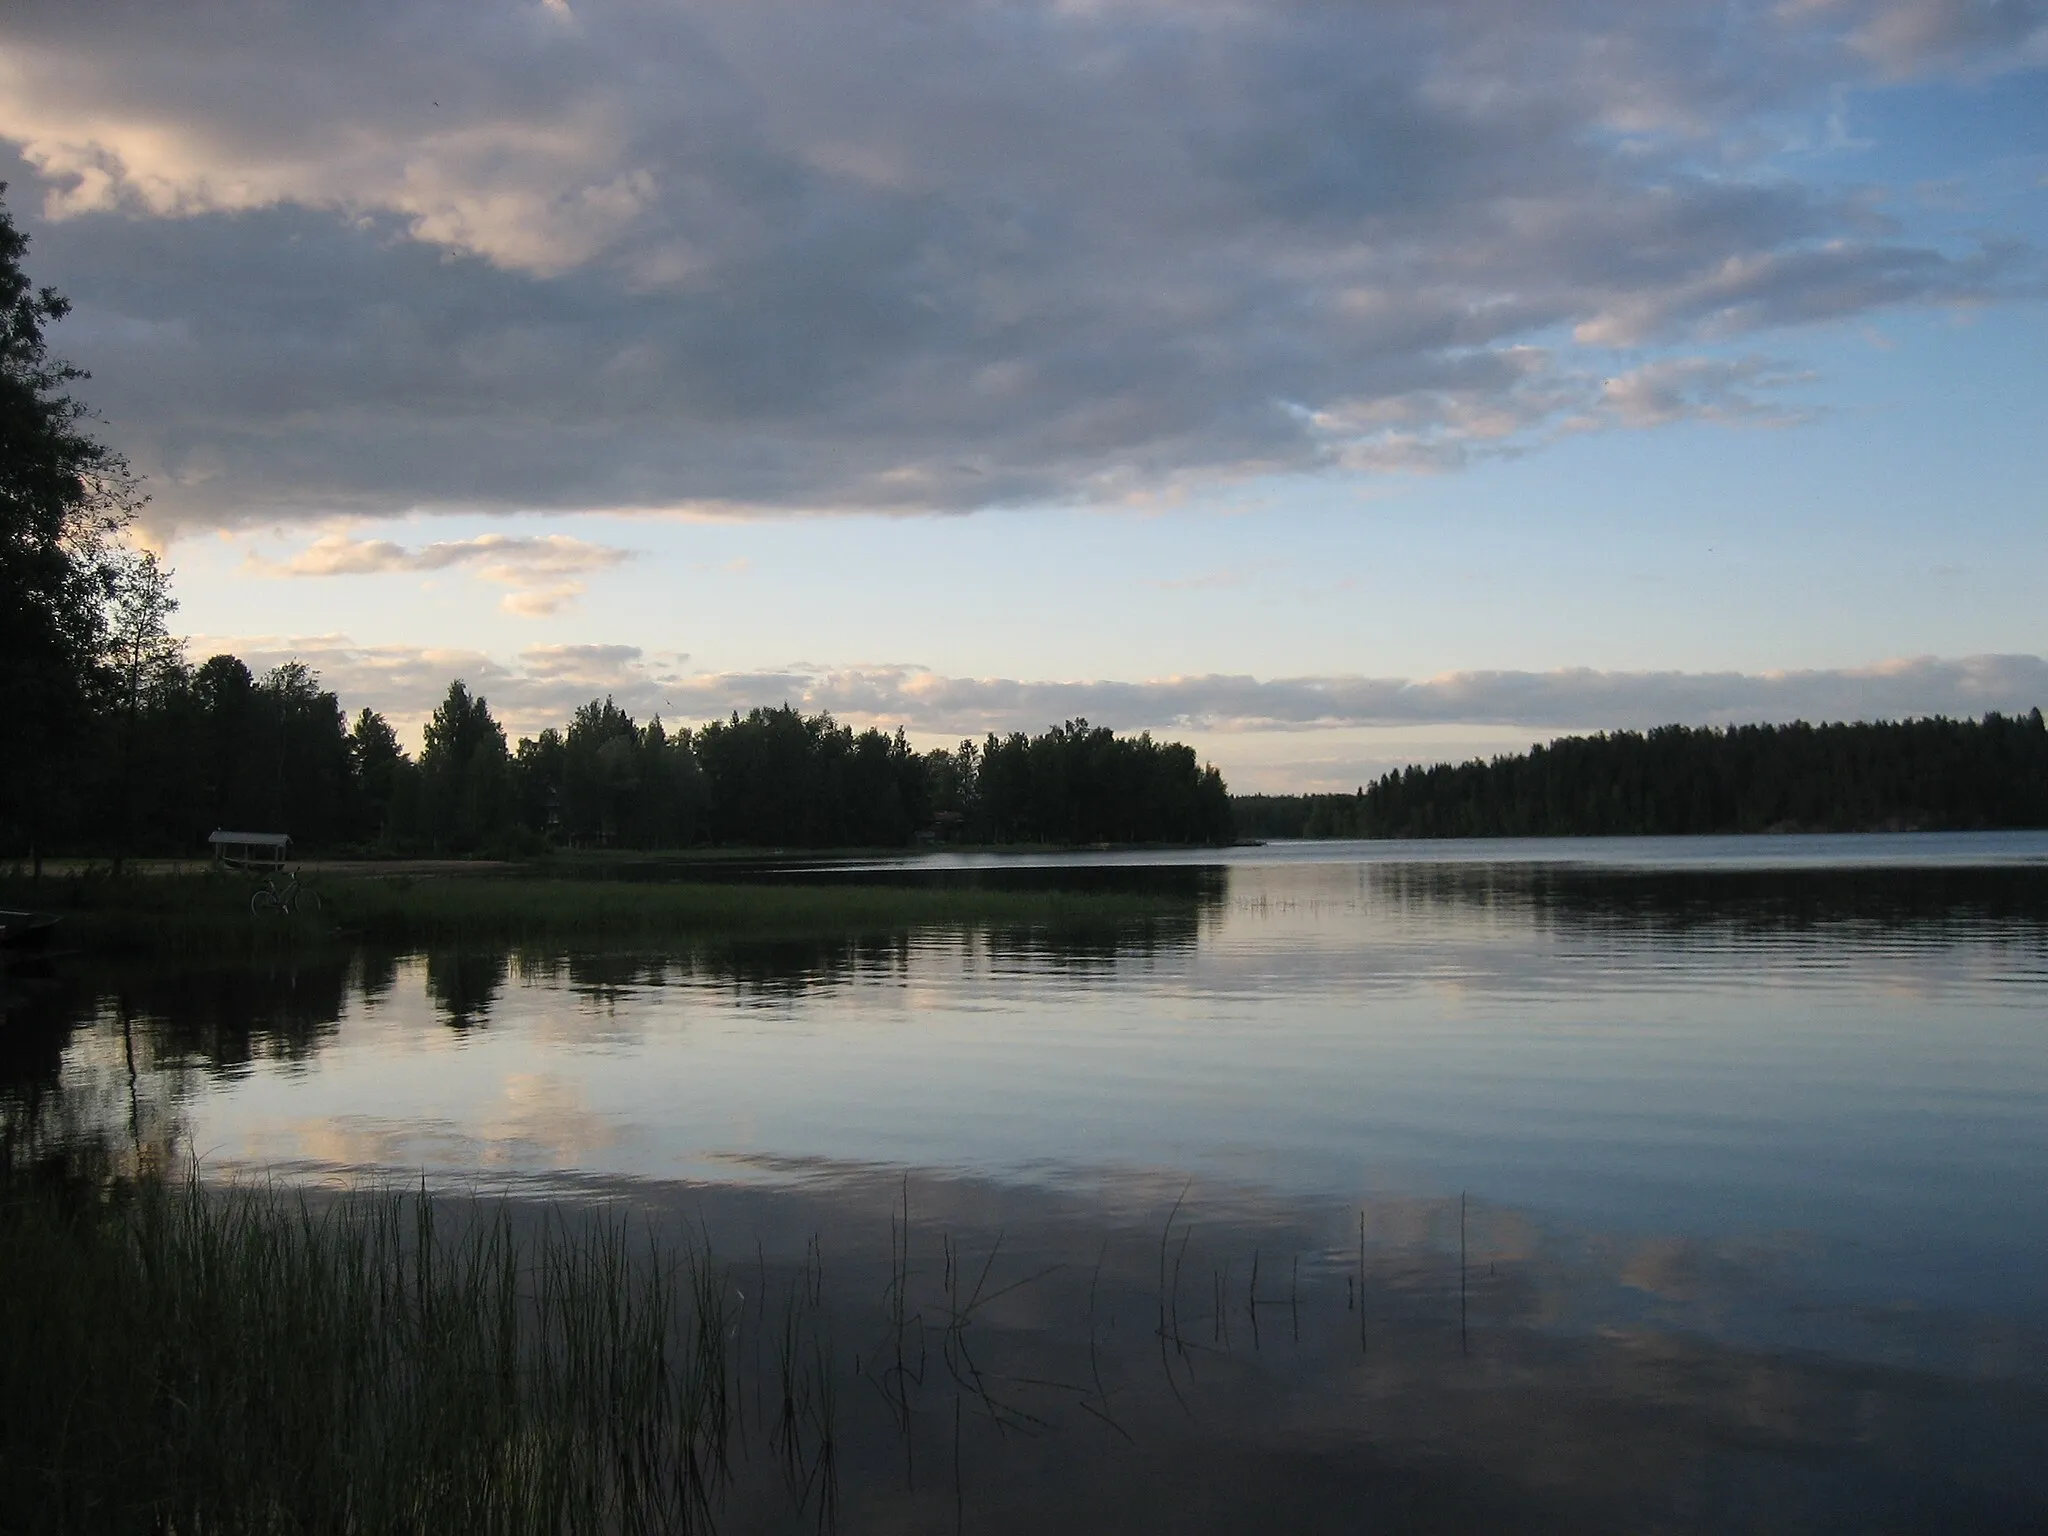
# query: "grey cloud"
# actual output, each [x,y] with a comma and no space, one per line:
[1528,397]
[1577,698]
[551,681]
[1914,36]
[1812,283]
[797,255]
[597,665]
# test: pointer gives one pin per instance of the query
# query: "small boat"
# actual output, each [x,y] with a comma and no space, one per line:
[26,930]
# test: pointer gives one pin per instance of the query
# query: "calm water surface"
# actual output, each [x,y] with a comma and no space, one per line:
[1742,1142]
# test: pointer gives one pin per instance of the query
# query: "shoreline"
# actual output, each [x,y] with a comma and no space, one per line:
[210,912]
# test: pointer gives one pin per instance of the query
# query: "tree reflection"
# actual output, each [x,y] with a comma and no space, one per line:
[1931,902]
[464,984]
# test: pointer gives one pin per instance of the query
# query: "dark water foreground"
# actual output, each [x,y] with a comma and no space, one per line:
[1483,1195]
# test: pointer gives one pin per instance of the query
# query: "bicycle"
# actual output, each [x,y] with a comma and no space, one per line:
[287,902]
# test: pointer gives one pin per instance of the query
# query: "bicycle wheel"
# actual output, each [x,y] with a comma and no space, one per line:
[307,901]
[262,902]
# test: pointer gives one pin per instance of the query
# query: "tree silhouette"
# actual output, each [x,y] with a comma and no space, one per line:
[144,651]
[1676,780]
[64,496]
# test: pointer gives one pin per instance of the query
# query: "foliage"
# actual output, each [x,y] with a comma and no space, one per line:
[143,652]
[214,746]
[779,778]
[609,783]
[1887,775]
[193,1360]
[1078,783]
[464,793]
[64,497]
[185,750]
[377,764]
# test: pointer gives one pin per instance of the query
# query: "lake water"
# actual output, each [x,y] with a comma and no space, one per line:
[1622,1184]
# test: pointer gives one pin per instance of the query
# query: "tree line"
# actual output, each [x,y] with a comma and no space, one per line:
[780,778]
[195,748]
[1933,774]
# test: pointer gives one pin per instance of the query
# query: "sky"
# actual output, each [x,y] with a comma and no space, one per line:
[1329,385]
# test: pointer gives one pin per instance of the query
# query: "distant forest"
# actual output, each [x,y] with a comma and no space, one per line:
[214,746]
[1933,774]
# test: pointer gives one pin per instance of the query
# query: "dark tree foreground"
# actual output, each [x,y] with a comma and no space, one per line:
[64,497]
[1933,774]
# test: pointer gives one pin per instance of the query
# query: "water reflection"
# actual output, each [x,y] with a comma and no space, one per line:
[1153,1356]
[757,971]
[464,984]
[1290,1011]
[1931,905]
[1201,882]
[1748,1165]
[88,1055]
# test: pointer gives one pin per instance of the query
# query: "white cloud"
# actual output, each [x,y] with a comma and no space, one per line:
[541,602]
[501,556]
[530,564]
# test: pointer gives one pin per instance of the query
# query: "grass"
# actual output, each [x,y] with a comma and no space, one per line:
[178,1359]
[209,913]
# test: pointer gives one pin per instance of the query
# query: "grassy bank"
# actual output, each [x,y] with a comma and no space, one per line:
[174,1359]
[210,914]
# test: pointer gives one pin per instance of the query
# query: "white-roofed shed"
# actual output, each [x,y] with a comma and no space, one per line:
[249,850]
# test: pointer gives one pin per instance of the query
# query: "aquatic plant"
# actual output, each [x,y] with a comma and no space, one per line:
[190,1359]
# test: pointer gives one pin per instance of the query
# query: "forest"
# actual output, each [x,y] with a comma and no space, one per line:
[214,746]
[1930,774]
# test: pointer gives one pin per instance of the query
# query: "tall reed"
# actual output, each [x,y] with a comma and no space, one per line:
[194,1360]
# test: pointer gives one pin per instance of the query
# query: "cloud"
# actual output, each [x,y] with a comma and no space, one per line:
[500,556]
[592,666]
[522,562]
[1573,698]
[1207,581]
[548,682]
[1699,388]
[789,256]
[541,602]
[1911,37]
[1829,281]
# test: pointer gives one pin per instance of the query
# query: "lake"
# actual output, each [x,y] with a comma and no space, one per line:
[1689,1184]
